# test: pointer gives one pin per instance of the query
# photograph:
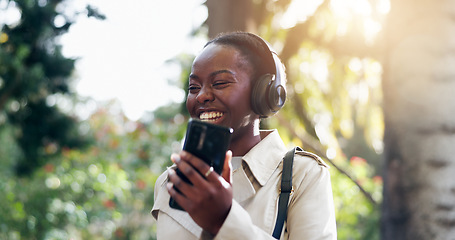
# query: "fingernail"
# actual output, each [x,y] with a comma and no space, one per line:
[175,158]
[171,172]
[169,186]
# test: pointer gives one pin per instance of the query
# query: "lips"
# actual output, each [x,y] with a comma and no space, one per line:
[211,116]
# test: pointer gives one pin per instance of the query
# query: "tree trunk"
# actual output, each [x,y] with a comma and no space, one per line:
[230,15]
[419,110]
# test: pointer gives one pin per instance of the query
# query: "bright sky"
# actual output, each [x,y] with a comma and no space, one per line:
[123,56]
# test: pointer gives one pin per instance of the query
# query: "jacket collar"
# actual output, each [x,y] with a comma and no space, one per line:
[264,158]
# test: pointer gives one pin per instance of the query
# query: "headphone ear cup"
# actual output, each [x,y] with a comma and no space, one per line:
[259,96]
[276,97]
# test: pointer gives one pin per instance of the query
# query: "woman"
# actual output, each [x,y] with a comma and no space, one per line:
[242,203]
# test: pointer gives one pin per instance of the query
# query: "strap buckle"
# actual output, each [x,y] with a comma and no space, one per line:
[292,190]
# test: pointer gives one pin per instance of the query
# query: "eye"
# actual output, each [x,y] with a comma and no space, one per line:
[220,84]
[193,88]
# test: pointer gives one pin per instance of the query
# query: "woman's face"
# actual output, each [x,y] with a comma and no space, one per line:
[220,89]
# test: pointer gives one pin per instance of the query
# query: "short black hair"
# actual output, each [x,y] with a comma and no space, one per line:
[252,48]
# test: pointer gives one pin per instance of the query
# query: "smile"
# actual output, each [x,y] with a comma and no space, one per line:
[210,116]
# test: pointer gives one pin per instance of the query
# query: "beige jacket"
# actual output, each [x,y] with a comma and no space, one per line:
[256,191]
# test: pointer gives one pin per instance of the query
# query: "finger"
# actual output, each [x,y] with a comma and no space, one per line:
[207,174]
[193,168]
[174,194]
[175,158]
[179,183]
[196,162]
[202,167]
[227,173]
[178,197]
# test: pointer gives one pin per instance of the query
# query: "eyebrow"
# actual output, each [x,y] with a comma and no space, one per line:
[194,76]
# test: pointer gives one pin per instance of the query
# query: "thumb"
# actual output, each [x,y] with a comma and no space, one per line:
[227,173]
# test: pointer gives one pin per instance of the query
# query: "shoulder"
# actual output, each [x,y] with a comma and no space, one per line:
[309,167]
[312,198]
[306,161]
[309,158]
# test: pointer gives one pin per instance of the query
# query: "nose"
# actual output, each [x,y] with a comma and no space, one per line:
[205,95]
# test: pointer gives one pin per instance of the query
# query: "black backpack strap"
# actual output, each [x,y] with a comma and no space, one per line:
[286,189]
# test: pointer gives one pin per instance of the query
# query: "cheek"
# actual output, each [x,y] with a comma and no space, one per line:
[241,102]
[245,96]
[190,103]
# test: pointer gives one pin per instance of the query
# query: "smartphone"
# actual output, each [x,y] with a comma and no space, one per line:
[207,141]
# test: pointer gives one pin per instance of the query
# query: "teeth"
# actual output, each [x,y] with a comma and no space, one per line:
[210,116]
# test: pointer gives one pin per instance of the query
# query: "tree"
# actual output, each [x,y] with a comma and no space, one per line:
[32,70]
[419,104]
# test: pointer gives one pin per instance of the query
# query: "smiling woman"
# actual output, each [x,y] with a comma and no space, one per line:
[241,203]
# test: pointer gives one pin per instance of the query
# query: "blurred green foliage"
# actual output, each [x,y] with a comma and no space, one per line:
[104,192]
[357,217]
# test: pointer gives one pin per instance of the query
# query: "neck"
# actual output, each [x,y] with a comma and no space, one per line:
[243,144]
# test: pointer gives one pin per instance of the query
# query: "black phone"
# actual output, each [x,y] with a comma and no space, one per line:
[207,141]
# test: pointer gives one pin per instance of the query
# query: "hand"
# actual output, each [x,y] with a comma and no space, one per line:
[209,199]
